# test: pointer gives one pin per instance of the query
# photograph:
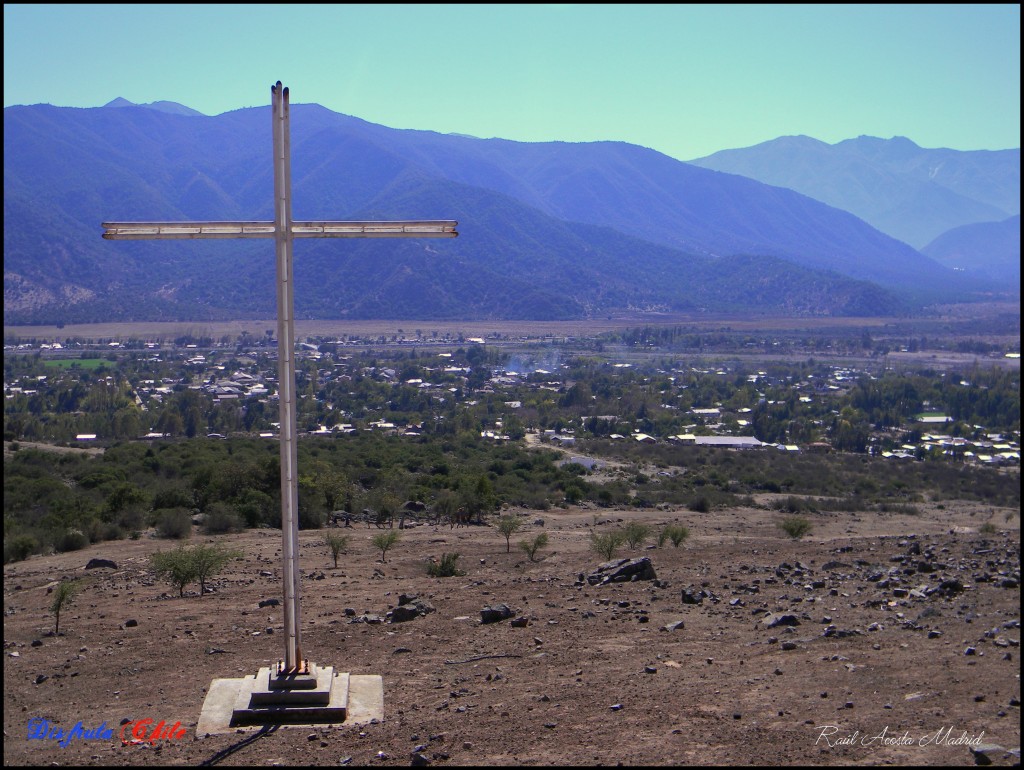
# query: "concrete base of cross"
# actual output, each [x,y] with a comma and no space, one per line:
[321,697]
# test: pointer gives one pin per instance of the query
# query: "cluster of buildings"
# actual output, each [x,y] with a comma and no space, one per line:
[228,375]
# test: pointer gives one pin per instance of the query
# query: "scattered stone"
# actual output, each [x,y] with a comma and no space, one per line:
[831,566]
[132,623]
[496,613]
[986,753]
[270,603]
[410,607]
[98,563]
[950,587]
[623,571]
[677,626]
[691,596]
[772,620]
[520,622]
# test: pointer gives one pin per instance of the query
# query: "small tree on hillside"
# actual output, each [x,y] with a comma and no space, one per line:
[508,525]
[208,560]
[63,595]
[636,533]
[384,541]
[337,544]
[676,532]
[607,543]
[175,567]
[532,546]
[795,526]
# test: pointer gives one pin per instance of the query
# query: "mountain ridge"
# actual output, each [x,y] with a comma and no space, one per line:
[561,228]
[912,193]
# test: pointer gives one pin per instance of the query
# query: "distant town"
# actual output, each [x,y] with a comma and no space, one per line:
[87,392]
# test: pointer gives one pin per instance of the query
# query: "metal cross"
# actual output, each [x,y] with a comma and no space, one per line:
[283,230]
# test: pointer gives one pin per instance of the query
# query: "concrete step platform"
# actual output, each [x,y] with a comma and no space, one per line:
[250,703]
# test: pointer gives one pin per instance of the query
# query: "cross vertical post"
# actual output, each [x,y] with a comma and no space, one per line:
[293,661]
[298,690]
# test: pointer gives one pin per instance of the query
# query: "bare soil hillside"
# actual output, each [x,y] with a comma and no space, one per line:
[876,639]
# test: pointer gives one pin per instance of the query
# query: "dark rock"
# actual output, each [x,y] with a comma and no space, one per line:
[986,753]
[270,602]
[950,587]
[496,613]
[132,623]
[773,620]
[691,596]
[410,607]
[623,571]
[96,563]
[403,613]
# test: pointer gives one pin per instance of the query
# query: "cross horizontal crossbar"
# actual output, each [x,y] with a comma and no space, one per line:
[126,231]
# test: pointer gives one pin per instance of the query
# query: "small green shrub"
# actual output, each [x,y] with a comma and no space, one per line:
[175,524]
[337,544]
[208,560]
[795,526]
[508,525]
[175,567]
[384,541]
[700,504]
[19,548]
[185,565]
[446,567]
[532,546]
[63,595]
[607,543]
[636,533]
[220,519]
[677,533]
[71,540]
[988,528]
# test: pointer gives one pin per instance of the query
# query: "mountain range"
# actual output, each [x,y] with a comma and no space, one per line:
[547,230]
[909,192]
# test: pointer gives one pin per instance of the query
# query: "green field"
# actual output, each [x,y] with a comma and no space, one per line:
[82,363]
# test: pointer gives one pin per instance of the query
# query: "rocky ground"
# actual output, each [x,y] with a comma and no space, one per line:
[876,639]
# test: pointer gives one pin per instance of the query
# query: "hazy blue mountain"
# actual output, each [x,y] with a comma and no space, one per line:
[547,230]
[170,107]
[988,249]
[911,193]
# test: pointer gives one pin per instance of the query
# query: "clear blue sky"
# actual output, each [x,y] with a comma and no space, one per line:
[686,80]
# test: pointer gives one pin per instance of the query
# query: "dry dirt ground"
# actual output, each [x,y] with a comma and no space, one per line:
[906,649]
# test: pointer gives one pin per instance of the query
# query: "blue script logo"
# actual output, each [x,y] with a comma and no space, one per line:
[41,730]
